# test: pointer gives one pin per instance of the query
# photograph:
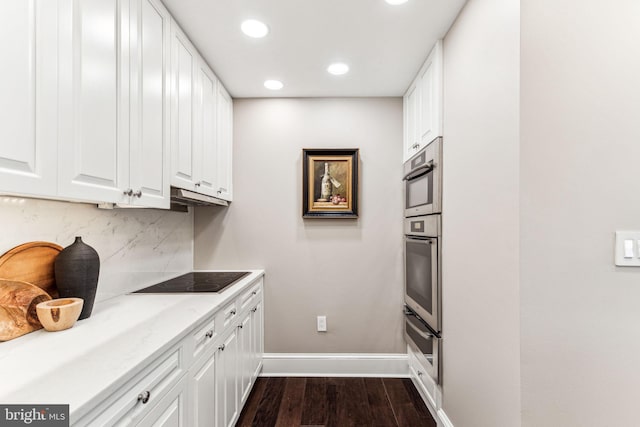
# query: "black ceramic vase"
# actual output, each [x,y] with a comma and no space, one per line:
[77,268]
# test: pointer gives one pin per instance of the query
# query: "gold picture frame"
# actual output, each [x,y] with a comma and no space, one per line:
[330,183]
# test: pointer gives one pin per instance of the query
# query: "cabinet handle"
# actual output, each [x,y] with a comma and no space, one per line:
[198,184]
[254,309]
[420,374]
[128,192]
[233,312]
[144,397]
[254,293]
[240,326]
[138,194]
[209,334]
[221,347]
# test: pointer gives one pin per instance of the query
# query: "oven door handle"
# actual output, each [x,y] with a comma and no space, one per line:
[419,171]
[425,240]
[425,335]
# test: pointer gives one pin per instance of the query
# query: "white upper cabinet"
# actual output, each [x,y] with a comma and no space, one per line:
[28,105]
[114,111]
[184,61]
[150,107]
[94,100]
[206,136]
[423,105]
[107,101]
[225,144]
[202,118]
[411,109]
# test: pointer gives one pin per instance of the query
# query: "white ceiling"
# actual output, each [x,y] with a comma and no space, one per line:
[383,45]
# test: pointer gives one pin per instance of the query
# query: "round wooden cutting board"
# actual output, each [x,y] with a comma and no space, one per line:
[18,315]
[32,263]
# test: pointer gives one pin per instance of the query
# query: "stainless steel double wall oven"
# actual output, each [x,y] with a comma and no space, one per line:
[422,250]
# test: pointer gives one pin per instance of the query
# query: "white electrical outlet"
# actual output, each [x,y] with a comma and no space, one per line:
[322,323]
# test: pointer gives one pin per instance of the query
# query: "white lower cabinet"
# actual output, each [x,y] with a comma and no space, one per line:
[257,338]
[202,381]
[140,396]
[202,385]
[171,411]
[245,362]
[430,392]
[227,381]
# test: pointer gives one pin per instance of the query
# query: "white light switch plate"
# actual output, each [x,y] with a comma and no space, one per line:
[627,251]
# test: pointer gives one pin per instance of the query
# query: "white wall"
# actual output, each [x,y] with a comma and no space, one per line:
[579,180]
[348,270]
[137,247]
[481,358]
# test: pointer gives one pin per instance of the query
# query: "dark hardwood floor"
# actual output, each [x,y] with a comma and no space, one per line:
[339,402]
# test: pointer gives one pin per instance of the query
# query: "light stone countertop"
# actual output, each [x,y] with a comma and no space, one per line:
[83,365]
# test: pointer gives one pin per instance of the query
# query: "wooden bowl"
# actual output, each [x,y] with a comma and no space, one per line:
[59,314]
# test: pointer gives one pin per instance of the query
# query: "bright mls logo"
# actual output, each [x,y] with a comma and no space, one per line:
[34,415]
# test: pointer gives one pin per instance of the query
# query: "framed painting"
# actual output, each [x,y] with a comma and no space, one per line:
[330,183]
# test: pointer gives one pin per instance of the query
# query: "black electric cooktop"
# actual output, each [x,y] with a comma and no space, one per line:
[200,281]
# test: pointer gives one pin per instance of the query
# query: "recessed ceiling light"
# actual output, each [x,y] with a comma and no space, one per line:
[254,28]
[273,84]
[338,68]
[396,2]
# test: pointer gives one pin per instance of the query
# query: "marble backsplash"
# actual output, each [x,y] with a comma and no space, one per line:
[137,247]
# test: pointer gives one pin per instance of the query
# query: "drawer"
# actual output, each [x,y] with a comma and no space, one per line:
[226,317]
[140,395]
[204,336]
[425,384]
[249,297]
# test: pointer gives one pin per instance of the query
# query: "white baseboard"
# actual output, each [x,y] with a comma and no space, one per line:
[335,365]
[442,417]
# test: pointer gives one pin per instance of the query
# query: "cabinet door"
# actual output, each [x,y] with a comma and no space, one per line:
[28,104]
[149,150]
[411,117]
[94,88]
[227,381]
[206,162]
[203,390]
[225,144]
[430,84]
[245,356]
[171,410]
[183,142]
[257,338]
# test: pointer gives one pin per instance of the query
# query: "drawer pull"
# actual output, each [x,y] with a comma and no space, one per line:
[233,312]
[209,334]
[144,397]
[254,309]
[221,347]
[420,374]
[240,326]
[254,293]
